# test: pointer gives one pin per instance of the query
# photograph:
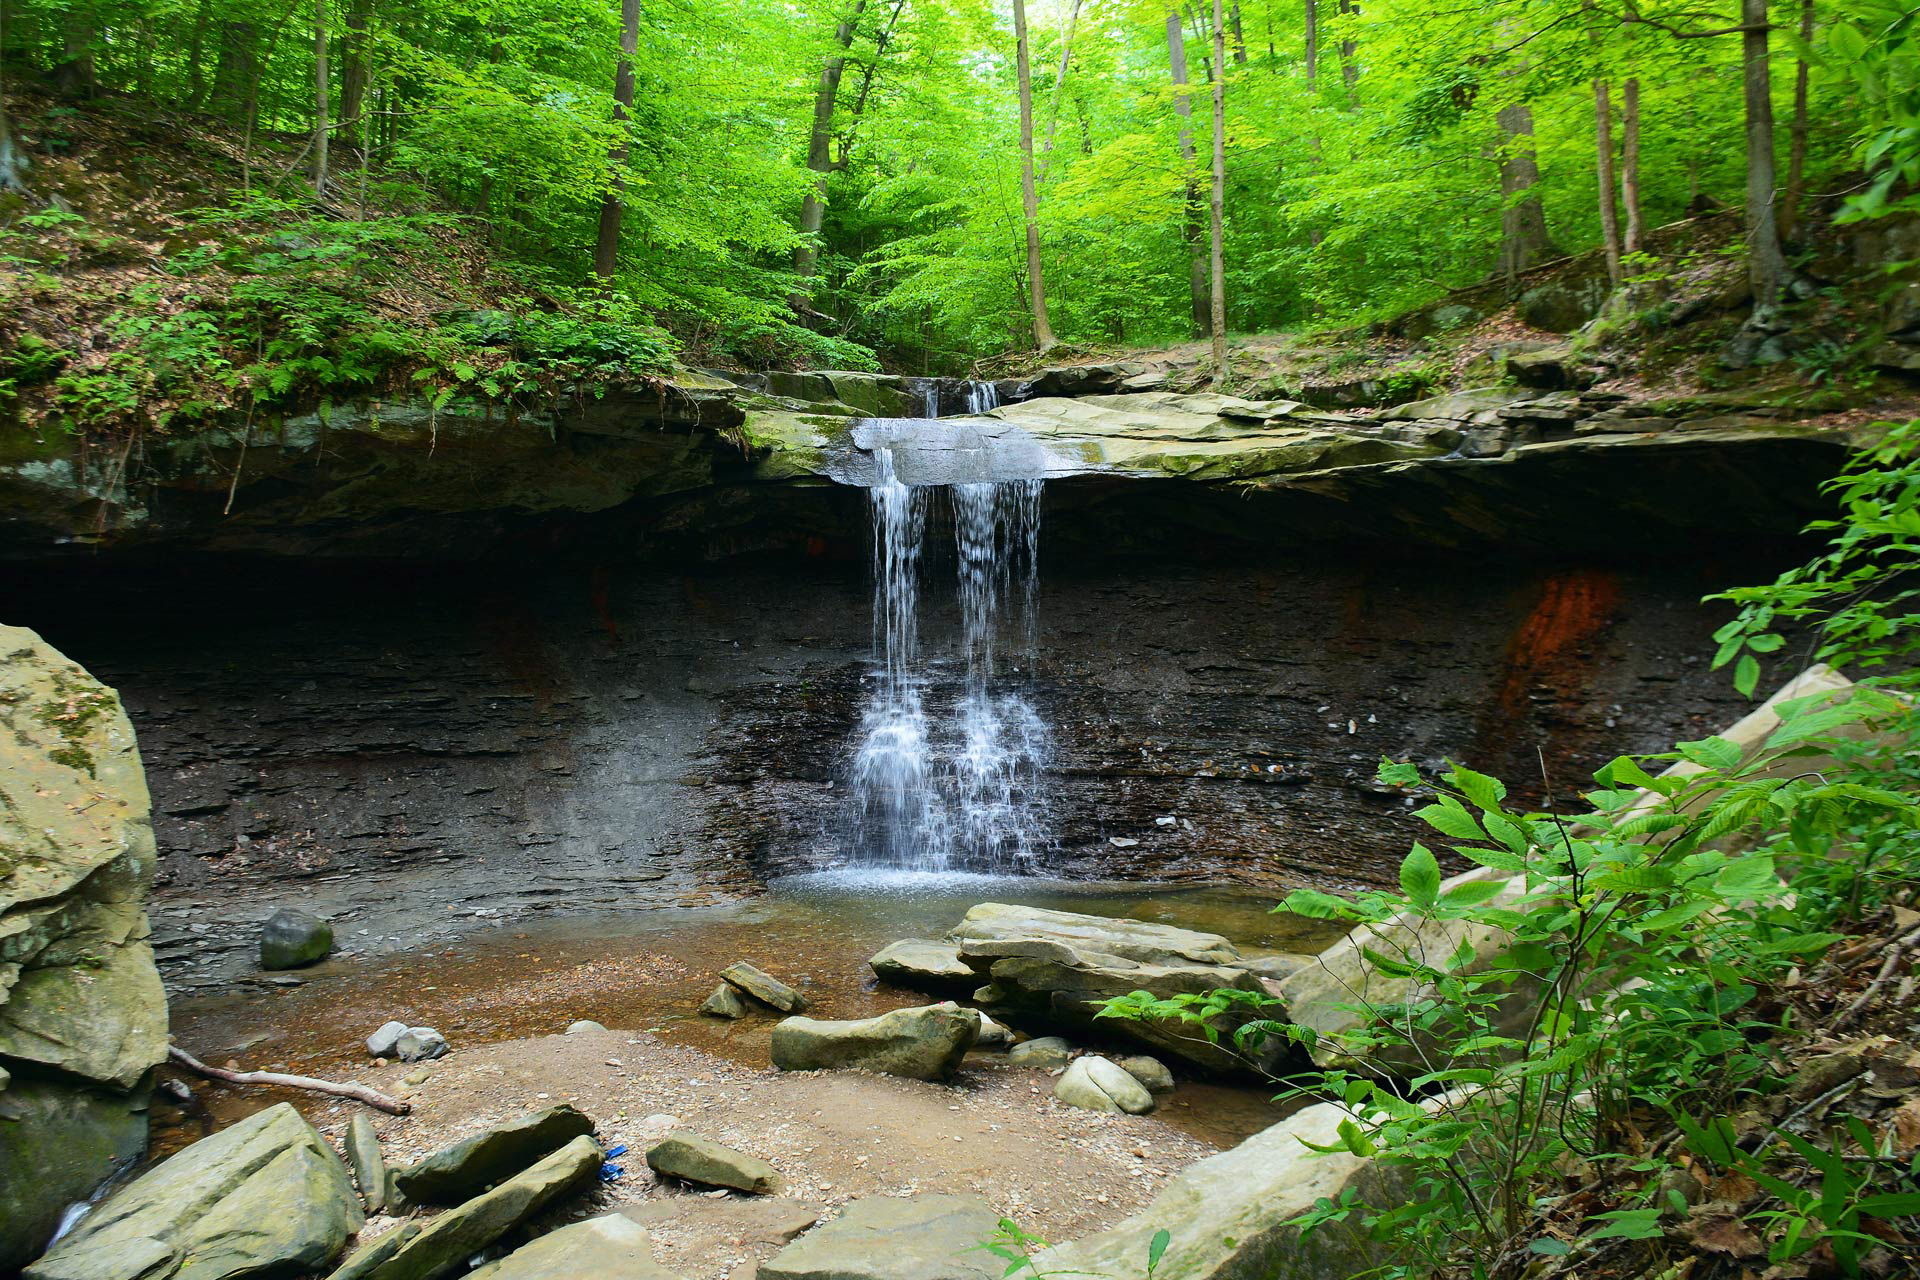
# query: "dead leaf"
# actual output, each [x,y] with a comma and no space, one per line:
[1906,1125]
[1724,1233]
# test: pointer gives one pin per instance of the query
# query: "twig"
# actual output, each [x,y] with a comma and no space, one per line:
[358,1092]
[1894,953]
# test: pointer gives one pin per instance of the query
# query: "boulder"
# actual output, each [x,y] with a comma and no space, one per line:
[418,1044]
[83,1018]
[382,1043]
[928,1237]
[1093,1083]
[1232,1216]
[1046,1053]
[609,1247]
[725,1002]
[692,1159]
[467,1168]
[368,1165]
[290,939]
[764,987]
[880,395]
[361,1262]
[1150,1072]
[1083,379]
[993,1035]
[925,1043]
[447,1242]
[1455,406]
[266,1196]
[922,965]
[585,1024]
[1554,368]
[1131,939]
[1561,306]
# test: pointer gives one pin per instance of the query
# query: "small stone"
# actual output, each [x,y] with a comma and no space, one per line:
[382,1042]
[764,987]
[419,1044]
[419,1075]
[292,938]
[923,965]
[725,1002]
[585,1024]
[1150,1072]
[709,1164]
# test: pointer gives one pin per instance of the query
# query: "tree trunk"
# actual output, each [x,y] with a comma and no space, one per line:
[196,58]
[1239,38]
[1029,196]
[1349,49]
[12,163]
[233,72]
[1216,206]
[1524,241]
[1766,264]
[1609,205]
[355,70]
[1630,162]
[813,210]
[75,73]
[1198,292]
[1313,43]
[1797,130]
[1059,87]
[322,97]
[606,248]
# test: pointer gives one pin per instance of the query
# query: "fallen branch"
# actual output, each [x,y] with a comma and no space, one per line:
[358,1092]
[1894,953]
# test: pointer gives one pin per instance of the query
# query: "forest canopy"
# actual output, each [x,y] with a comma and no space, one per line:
[839,182]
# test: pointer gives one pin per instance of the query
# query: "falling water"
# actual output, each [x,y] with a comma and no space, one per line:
[945,777]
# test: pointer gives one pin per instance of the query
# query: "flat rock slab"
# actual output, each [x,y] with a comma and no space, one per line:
[920,964]
[764,987]
[761,1220]
[459,1172]
[1132,939]
[894,1238]
[369,1166]
[604,1248]
[708,1163]
[925,1043]
[266,1196]
[447,1243]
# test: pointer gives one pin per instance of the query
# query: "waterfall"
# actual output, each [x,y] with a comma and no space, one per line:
[945,771]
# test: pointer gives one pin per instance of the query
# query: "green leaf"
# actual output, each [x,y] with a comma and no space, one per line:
[1746,674]
[1548,1247]
[1420,876]
[1629,1224]
[1484,792]
[1450,818]
[1712,753]
[1157,1248]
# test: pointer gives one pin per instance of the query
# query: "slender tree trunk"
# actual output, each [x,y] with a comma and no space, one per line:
[1239,37]
[1216,206]
[1059,87]
[1524,241]
[1630,162]
[196,58]
[355,70]
[1313,43]
[813,210]
[1198,291]
[1797,131]
[1029,195]
[1349,51]
[12,163]
[75,73]
[871,69]
[1609,204]
[613,209]
[1766,264]
[322,97]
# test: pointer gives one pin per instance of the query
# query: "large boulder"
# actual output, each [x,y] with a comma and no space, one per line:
[925,1043]
[290,939]
[465,1169]
[879,395]
[447,1243]
[83,1018]
[264,1197]
[920,964]
[1132,939]
[609,1247]
[928,1237]
[700,1160]
[1232,1216]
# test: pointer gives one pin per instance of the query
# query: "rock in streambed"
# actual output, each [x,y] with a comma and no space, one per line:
[764,987]
[1093,1083]
[468,1168]
[925,1043]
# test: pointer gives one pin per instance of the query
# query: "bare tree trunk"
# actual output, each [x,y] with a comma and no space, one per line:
[813,210]
[1609,204]
[1216,206]
[1524,241]
[1630,161]
[1059,87]
[1349,49]
[1239,38]
[1313,43]
[1766,264]
[613,209]
[355,70]
[1198,292]
[322,97]
[1797,130]
[1029,196]
[196,58]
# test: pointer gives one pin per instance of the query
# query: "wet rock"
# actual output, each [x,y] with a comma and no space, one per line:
[1095,1084]
[1132,939]
[609,1247]
[725,1002]
[363,1260]
[418,1044]
[922,965]
[764,987]
[449,1240]
[384,1042]
[266,1196]
[290,939]
[1150,1072]
[1233,1216]
[1044,1053]
[709,1164]
[467,1168]
[585,1024]
[925,1043]
[928,1237]
[83,1017]
[369,1167]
